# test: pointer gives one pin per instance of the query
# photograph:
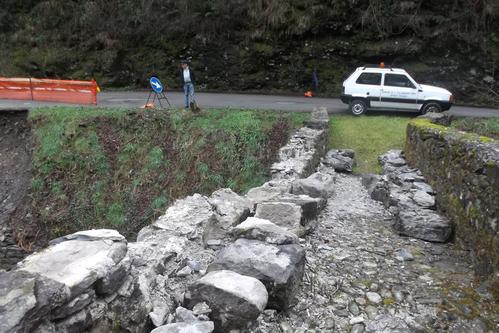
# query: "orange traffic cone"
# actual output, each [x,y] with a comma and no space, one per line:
[308,93]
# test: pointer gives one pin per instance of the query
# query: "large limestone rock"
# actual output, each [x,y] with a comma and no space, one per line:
[392,157]
[317,185]
[25,299]
[284,214]
[268,191]
[78,260]
[264,230]
[279,267]
[194,327]
[186,218]
[231,209]
[339,160]
[235,300]
[423,224]
[310,206]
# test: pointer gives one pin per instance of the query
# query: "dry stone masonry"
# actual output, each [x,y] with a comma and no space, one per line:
[206,265]
[463,168]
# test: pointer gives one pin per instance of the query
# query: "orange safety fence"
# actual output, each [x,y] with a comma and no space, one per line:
[66,91]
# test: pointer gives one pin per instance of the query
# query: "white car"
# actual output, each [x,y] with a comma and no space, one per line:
[391,89]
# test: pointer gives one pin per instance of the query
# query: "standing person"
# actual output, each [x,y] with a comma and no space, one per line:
[315,81]
[187,78]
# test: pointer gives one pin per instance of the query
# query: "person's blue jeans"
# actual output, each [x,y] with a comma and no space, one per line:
[188,94]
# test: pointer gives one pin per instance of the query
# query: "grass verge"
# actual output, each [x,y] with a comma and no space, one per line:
[369,136]
[482,126]
[118,168]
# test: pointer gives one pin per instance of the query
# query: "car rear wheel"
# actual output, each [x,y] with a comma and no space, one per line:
[358,107]
[431,107]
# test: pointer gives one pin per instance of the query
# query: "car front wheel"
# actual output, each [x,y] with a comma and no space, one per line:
[358,107]
[431,107]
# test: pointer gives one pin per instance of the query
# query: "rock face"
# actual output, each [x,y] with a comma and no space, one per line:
[279,267]
[235,300]
[319,119]
[463,170]
[264,230]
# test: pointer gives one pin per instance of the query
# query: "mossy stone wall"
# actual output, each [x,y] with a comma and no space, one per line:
[463,168]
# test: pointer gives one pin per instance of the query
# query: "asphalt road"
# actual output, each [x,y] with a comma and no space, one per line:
[220,100]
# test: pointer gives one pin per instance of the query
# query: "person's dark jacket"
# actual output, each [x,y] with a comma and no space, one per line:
[191,72]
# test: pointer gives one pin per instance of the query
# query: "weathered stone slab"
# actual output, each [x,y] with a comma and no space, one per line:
[75,305]
[264,230]
[317,185]
[194,327]
[78,261]
[393,157]
[423,224]
[235,300]
[268,191]
[231,208]
[310,206]
[25,299]
[340,160]
[186,217]
[279,267]
[284,214]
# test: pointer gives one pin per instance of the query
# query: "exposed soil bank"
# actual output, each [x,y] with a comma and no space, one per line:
[15,178]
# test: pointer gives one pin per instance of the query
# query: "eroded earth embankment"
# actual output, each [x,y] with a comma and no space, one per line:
[15,178]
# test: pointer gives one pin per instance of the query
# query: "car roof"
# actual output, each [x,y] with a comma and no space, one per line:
[381,70]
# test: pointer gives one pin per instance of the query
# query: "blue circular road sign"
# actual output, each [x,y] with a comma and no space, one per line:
[156,84]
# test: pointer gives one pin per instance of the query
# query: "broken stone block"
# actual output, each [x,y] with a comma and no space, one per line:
[187,217]
[231,208]
[78,260]
[194,327]
[310,206]
[279,267]
[284,214]
[235,300]
[264,230]
[268,191]
[317,185]
[423,224]
[340,160]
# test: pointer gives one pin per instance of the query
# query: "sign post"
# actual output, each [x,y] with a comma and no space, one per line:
[158,91]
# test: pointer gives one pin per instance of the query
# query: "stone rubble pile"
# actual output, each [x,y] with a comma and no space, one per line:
[209,264]
[403,189]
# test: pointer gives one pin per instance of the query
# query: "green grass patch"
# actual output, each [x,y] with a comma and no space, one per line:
[488,127]
[119,168]
[369,135]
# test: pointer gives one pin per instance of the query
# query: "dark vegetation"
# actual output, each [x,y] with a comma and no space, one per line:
[95,168]
[488,127]
[264,45]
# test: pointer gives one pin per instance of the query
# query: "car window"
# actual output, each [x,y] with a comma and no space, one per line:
[398,80]
[369,78]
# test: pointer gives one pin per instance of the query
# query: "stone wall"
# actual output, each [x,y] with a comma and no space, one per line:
[208,264]
[463,168]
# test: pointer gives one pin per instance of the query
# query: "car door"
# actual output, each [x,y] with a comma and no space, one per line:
[398,92]
[368,85]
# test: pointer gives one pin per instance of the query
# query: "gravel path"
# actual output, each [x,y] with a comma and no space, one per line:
[362,277]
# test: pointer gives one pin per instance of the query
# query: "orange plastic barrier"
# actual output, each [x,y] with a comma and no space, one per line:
[66,91]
